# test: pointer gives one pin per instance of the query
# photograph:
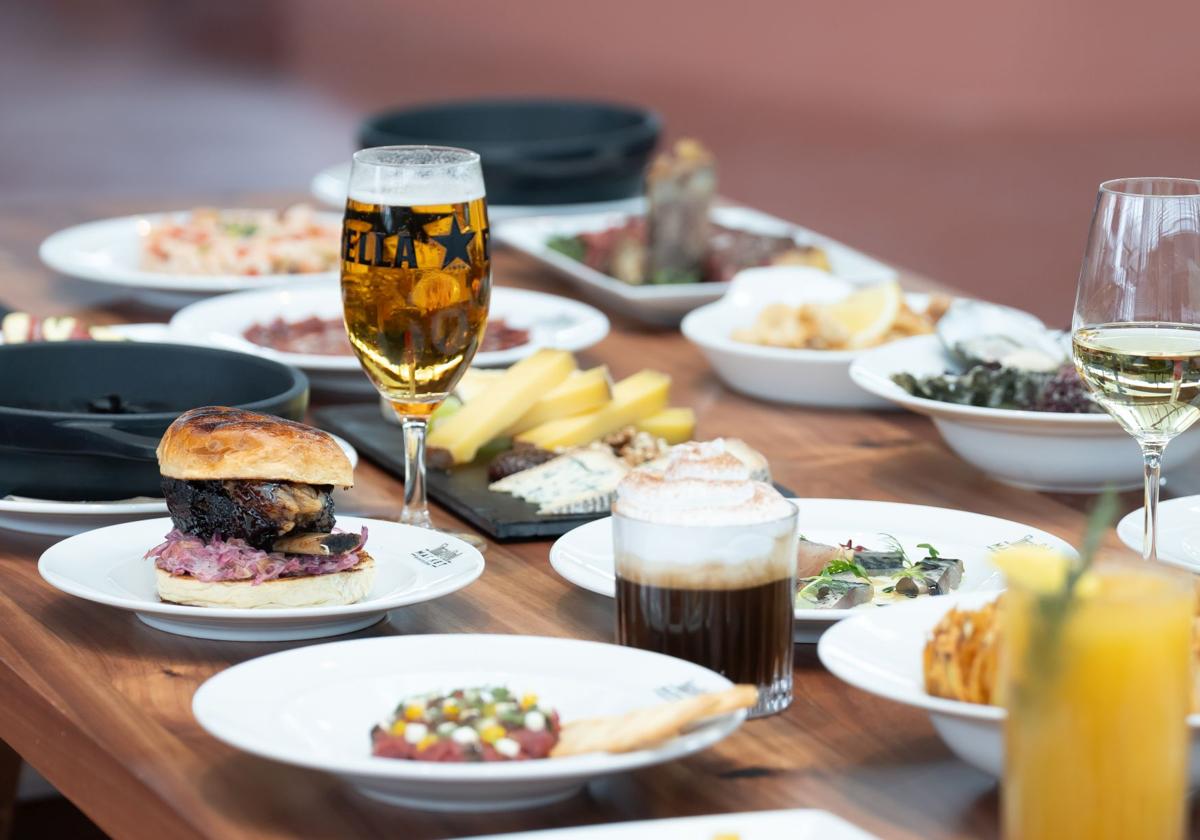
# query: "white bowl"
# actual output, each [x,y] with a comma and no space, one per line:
[818,378]
[552,321]
[109,251]
[1178,531]
[584,555]
[1037,450]
[107,566]
[880,652]
[667,303]
[315,706]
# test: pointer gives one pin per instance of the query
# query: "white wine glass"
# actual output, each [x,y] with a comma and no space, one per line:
[1136,329]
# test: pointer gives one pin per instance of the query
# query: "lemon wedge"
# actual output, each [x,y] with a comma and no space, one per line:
[1040,569]
[866,316]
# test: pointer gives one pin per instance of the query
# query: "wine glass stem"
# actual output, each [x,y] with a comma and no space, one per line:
[1152,455]
[416,506]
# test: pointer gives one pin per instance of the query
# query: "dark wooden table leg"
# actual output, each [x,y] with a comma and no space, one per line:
[10,772]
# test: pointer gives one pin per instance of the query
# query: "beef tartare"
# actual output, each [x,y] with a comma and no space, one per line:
[471,724]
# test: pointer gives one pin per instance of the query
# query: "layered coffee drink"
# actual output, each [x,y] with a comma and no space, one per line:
[705,564]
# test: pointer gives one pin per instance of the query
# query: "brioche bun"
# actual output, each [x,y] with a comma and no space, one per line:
[219,443]
[336,589]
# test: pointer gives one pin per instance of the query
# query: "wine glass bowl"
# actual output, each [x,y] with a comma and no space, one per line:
[1136,327]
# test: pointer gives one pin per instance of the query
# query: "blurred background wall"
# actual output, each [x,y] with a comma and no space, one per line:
[960,139]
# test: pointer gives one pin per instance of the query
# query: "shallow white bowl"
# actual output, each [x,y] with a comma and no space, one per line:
[315,706]
[795,824]
[584,555]
[880,652]
[668,303]
[552,321]
[818,378]
[109,251]
[1178,531]
[107,566]
[1037,450]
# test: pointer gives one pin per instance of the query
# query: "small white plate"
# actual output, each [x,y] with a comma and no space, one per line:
[315,706]
[795,824]
[109,251]
[63,519]
[584,555]
[552,321]
[1036,450]
[668,303]
[107,566]
[1178,531]
[780,374]
[329,185]
[880,652]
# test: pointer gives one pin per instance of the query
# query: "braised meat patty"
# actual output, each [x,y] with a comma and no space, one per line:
[258,512]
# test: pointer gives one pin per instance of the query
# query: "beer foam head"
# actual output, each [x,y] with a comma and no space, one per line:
[699,484]
[403,176]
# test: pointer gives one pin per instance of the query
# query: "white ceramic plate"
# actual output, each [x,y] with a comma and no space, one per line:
[315,706]
[780,374]
[666,304]
[62,519]
[879,651]
[552,321]
[109,251]
[796,824]
[1037,450]
[329,185]
[584,555]
[1178,531]
[107,566]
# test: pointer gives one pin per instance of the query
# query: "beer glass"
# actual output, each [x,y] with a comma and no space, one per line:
[717,595]
[416,280]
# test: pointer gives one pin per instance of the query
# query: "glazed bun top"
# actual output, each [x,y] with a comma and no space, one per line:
[215,443]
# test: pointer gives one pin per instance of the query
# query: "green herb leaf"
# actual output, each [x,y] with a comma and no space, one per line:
[842,565]
[569,246]
[930,551]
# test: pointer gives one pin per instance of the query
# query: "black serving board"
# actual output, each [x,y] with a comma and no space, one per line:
[463,491]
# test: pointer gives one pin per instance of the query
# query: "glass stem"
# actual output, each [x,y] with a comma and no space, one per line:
[1152,455]
[416,507]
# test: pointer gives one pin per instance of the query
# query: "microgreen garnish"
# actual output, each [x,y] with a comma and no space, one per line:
[842,565]
[931,552]
[894,545]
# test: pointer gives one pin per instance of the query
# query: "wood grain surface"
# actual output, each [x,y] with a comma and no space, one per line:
[101,704]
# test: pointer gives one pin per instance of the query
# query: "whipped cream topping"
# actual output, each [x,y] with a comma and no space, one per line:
[698,484]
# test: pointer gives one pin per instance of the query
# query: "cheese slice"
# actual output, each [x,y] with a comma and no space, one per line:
[583,481]
[634,398]
[674,425]
[501,404]
[474,382]
[581,392]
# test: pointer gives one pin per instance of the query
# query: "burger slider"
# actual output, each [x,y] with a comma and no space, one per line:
[250,500]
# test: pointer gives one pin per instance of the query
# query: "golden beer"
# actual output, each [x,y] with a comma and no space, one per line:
[415,290]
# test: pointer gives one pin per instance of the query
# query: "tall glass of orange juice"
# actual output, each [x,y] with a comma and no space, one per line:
[1097,681]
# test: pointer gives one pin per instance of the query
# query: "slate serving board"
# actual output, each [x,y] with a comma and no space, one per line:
[463,491]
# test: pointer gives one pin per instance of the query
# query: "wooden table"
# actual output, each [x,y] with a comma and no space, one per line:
[101,704]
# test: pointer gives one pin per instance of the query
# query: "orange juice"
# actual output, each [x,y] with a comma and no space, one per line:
[1098,689]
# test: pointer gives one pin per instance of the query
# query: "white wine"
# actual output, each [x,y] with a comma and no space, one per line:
[1145,374]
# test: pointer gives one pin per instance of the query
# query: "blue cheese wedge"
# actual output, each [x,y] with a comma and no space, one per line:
[583,481]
